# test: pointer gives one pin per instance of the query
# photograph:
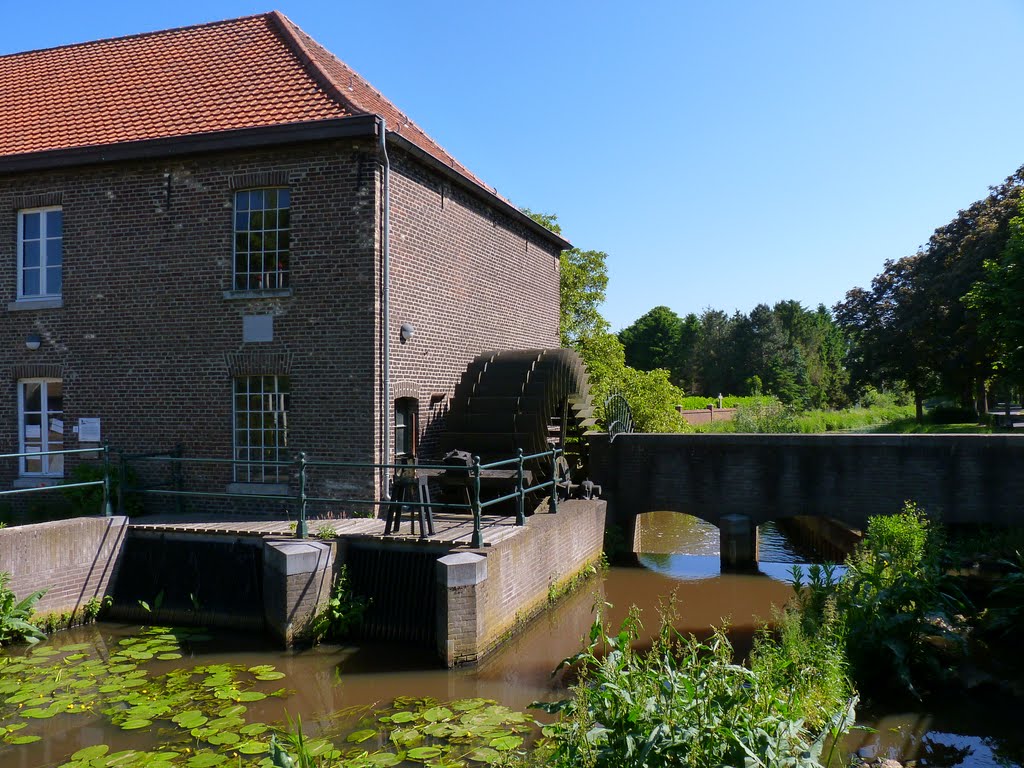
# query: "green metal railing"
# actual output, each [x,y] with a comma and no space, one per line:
[302,464]
[106,507]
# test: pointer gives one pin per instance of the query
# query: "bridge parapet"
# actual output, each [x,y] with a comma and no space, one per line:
[959,478]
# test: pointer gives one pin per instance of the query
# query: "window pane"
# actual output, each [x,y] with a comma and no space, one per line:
[30,282]
[241,201]
[56,465]
[33,465]
[53,281]
[241,221]
[54,223]
[54,251]
[32,396]
[54,396]
[30,254]
[30,226]
[283,219]
[283,198]
[255,199]
[270,198]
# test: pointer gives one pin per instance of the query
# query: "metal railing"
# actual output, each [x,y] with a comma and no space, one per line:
[302,464]
[106,507]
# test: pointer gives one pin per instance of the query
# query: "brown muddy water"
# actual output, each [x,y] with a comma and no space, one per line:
[679,558]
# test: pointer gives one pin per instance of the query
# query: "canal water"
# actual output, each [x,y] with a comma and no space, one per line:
[679,560]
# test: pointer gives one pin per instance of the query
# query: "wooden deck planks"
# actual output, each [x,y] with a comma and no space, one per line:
[450,529]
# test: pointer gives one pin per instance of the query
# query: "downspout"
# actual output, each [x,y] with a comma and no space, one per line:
[385,251]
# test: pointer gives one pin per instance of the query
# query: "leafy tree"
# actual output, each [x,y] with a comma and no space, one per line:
[998,298]
[653,341]
[583,283]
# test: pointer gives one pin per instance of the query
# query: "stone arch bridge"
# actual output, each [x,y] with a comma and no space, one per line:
[738,481]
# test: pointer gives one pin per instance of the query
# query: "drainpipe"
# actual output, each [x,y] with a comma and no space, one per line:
[385,416]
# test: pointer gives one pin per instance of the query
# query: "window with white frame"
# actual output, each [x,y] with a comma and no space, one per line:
[262,239]
[41,426]
[261,428]
[406,427]
[40,252]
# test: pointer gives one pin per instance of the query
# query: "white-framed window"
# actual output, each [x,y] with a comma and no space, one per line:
[41,426]
[40,252]
[261,428]
[262,239]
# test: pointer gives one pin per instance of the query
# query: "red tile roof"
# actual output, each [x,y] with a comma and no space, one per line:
[241,73]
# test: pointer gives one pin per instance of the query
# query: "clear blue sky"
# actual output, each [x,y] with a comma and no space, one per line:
[722,153]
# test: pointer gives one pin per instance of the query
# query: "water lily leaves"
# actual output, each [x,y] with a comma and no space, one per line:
[205,760]
[120,758]
[91,753]
[252,747]
[403,717]
[484,755]
[358,737]
[467,705]
[223,738]
[273,675]
[383,759]
[406,737]
[249,696]
[435,714]
[506,743]
[254,729]
[135,723]
[422,754]
[22,739]
[169,656]
[233,710]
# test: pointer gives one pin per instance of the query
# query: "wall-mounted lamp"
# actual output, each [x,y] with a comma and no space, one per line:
[32,341]
[407,332]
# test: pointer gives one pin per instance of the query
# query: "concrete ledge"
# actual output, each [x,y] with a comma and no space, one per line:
[463,569]
[297,580]
[294,557]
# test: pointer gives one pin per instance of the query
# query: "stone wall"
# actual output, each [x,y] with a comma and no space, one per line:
[485,594]
[74,560]
[959,478]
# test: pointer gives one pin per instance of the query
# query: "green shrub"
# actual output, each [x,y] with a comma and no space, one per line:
[89,500]
[899,607]
[684,703]
[15,615]
[344,612]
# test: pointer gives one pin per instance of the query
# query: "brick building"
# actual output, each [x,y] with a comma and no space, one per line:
[221,236]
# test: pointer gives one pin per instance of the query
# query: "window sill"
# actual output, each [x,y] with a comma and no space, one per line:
[53,302]
[258,489]
[270,293]
[36,481]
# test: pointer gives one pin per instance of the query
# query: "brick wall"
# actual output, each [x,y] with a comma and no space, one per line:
[147,342]
[74,560]
[960,478]
[468,278]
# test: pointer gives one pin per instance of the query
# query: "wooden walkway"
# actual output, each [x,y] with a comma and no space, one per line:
[449,529]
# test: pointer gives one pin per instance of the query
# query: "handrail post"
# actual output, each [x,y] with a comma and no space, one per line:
[177,473]
[108,510]
[478,537]
[521,498]
[554,480]
[301,528]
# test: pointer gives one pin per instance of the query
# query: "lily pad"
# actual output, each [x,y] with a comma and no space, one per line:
[22,739]
[135,724]
[422,754]
[252,747]
[91,753]
[484,755]
[205,760]
[358,737]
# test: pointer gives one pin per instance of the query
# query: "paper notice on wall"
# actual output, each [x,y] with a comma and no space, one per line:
[57,425]
[89,430]
[33,430]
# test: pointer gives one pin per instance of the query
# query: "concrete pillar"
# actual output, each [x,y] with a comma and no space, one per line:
[297,578]
[739,543]
[460,614]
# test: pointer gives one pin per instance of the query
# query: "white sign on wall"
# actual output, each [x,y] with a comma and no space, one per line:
[88,430]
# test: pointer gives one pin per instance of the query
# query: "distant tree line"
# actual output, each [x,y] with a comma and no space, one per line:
[787,351]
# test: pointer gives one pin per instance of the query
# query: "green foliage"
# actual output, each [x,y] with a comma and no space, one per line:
[89,500]
[1003,619]
[653,341]
[686,703]
[343,613]
[15,615]
[897,603]
[326,531]
[765,414]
